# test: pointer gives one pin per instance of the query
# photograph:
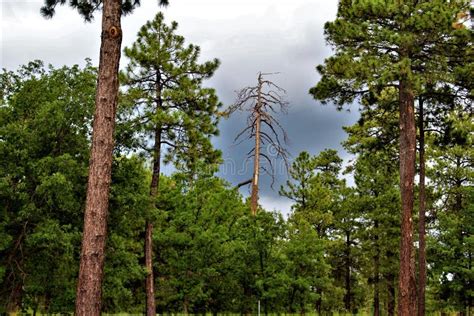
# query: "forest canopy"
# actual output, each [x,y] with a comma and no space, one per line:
[188,240]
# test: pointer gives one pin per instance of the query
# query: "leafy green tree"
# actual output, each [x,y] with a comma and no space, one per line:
[129,202]
[44,131]
[384,45]
[169,104]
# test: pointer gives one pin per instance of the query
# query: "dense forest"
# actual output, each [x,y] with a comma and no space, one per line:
[89,222]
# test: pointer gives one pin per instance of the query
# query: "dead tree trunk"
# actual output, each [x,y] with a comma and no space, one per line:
[421,219]
[263,128]
[407,173]
[89,285]
[256,165]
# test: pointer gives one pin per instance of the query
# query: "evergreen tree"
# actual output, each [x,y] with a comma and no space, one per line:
[451,248]
[89,287]
[384,46]
[168,103]
[317,192]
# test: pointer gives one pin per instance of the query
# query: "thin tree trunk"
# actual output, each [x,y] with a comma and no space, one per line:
[376,272]
[149,282]
[89,285]
[391,294]
[186,306]
[421,220]
[407,173]
[262,272]
[155,182]
[14,300]
[347,299]
[256,165]
[319,301]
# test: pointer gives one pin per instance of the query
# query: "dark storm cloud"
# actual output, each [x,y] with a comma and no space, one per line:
[247,36]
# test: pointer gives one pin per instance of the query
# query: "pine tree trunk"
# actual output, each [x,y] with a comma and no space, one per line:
[391,294]
[155,181]
[256,165]
[149,282]
[407,173]
[421,220]
[347,298]
[89,286]
[319,301]
[376,272]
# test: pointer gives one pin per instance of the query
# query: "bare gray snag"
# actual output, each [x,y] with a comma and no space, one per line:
[263,101]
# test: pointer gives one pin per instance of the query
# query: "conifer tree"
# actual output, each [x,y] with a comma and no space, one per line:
[383,46]
[89,286]
[168,104]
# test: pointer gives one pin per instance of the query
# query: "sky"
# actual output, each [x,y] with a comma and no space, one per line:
[247,36]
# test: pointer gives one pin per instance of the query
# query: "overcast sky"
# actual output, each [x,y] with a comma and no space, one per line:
[247,36]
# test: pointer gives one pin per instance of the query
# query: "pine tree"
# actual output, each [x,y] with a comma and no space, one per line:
[451,248]
[384,46]
[318,197]
[89,286]
[168,103]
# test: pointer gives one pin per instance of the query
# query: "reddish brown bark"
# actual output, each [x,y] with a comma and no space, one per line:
[155,180]
[149,282]
[89,286]
[421,219]
[407,173]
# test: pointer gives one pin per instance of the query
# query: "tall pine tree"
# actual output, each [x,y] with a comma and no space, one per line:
[91,271]
[168,104]
[390,45]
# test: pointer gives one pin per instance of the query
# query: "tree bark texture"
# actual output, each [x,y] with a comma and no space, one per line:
[155,180]
[89,286]
[407,173]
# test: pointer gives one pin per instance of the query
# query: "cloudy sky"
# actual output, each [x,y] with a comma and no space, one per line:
[247,36]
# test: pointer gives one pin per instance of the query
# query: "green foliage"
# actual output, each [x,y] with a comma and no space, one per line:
[44,131]
[165,97]
[45,124]
[450,247]
[377,43]
[87,8]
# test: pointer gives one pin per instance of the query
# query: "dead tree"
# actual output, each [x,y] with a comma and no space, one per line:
[263,101]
